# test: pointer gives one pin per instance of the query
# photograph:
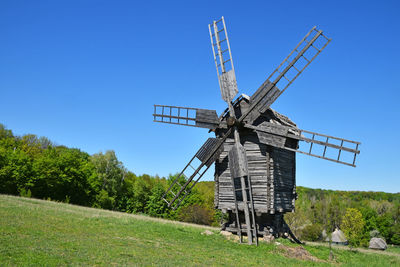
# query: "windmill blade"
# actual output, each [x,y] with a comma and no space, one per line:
[223,59]
[193,171]
[301,56]
[291,67]
[324,146]
[237,155]
[195,117]
[209,151]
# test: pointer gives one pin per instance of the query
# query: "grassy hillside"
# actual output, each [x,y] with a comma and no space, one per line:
[37,232]
[32,166]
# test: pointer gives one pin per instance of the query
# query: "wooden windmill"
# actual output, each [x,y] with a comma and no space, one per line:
[254,148]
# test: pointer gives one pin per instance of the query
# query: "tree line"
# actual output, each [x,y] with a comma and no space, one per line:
[34,166]
[360,215]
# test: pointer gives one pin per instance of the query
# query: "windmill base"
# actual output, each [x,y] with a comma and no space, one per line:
[268,224]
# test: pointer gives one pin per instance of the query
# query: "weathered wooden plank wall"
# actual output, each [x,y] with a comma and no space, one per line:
[272,172]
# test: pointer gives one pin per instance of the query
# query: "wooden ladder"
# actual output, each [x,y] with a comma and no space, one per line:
[243,195]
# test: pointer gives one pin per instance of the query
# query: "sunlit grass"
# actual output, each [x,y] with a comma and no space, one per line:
[36,232]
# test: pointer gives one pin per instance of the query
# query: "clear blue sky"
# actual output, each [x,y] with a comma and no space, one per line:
[87,73]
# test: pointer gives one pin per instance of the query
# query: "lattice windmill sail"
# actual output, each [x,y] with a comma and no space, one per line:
[254,146]
[223,59]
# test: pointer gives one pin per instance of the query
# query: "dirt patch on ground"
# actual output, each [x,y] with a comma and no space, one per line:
[362,250]
[299,253]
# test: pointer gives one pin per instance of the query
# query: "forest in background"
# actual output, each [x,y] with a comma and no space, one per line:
[34,166]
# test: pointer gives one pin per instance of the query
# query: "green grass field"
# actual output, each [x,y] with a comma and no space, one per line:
[394,249]
[44,233]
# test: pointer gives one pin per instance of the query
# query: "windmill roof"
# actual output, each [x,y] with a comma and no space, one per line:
[270,115]
[281,119]
[245,97]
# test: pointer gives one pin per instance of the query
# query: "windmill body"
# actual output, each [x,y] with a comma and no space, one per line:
[254,146]
[271,169]
[265,163]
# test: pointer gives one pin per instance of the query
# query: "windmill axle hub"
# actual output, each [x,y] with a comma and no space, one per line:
[231,121]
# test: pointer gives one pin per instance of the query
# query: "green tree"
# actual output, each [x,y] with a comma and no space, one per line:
[15,169]
[30,143]
[103,200]
[336,210]
[155,206]
[141,193]
[196,213]
[4,132]
[352,226]
[384,223]
[127,193]
[296,220]
[312,232]
[110,175]
[394,234]
[61,173]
